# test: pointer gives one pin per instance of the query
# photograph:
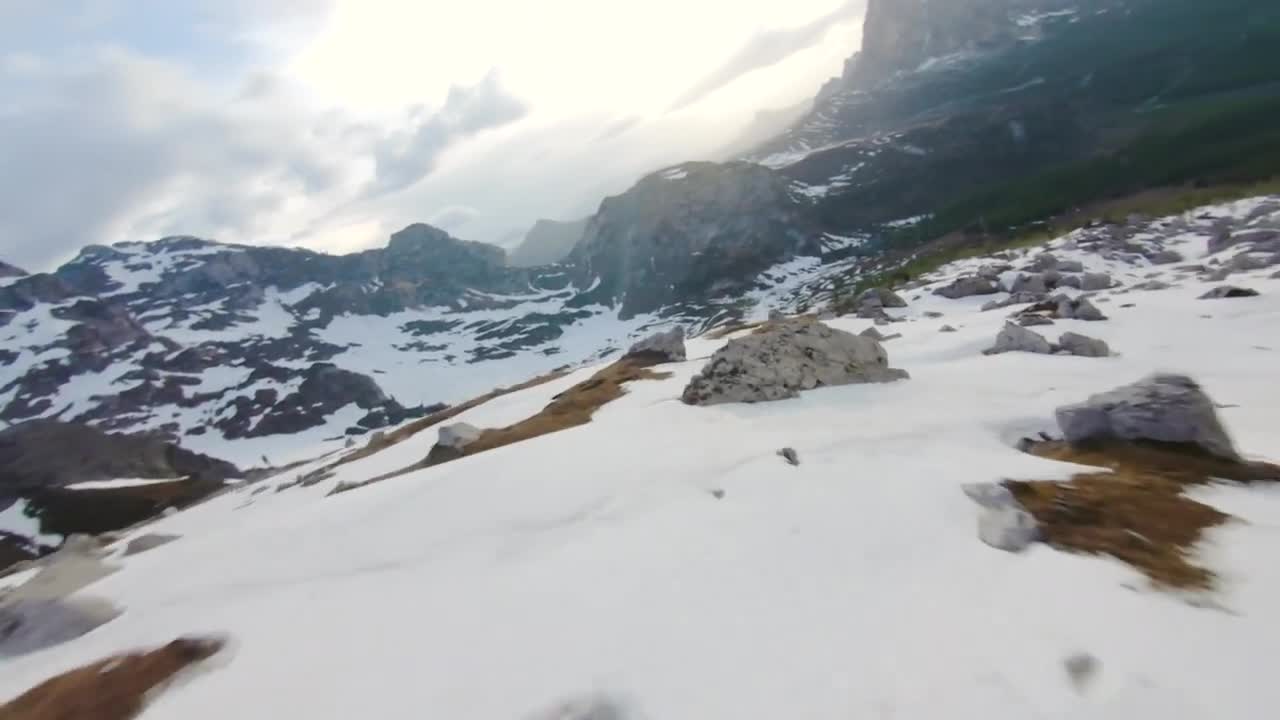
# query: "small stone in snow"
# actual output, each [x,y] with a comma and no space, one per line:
[1082,668]
[790,456]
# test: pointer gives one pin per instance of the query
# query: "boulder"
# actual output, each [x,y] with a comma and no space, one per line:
[1228,291]
[1095,281]
[790,455]
[779,361]
[1152,285]
[1083,346]
[1082,309]
[1033,319]
[946,329]
[966,286]
[1071,281]
[668,346]
[1044,261]
[1164,408]
[932,314]
[1244,262]
[1070,266]
[1034,284]
[28,625]
[1002,521]
[148,541]
[458,436]
[882,297]
[1165,257]
[1015,338]
[1017,298]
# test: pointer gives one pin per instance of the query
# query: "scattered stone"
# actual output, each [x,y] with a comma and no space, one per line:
[587,708]
[1044,261]
[717,494]
[1034,319]
[1070,266]
[1071,281]
[1083,346]
[1165,257]
[966,286]
[932,314]
[1081,668]
[993,272]
[149,541]
[1002,521]
[778,361]
[789,454]
[1228,291]
[947,329]
[1152,285]
[1033,283]
[667,345]
[1163,408]
[1017,298]
[1246,262]
[882,297]
[1095,281]
[873,333]
[1015,338]
[28,625]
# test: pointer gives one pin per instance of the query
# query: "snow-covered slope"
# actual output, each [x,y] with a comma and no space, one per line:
[598,559]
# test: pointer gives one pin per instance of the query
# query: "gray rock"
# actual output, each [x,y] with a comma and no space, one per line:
[29,625]
[1224,239]
[1228,291]
[1095,281]
[1034,319]
[993,272]
[1044,261]
[1033,283]
[458,436]
[149,541]
[946,329]
[932,314]
[1081,669]
[1070,266]
[779,361]
[668,345]
[882,297]
[790,455]
[1082,309]
[1017,298]
[1083,346]
[1002,521]
[1152,285]
[1164,408]
[587,708]
[1015,338]
[965,286]
[1245,262]
[1071,281]
[1165,257]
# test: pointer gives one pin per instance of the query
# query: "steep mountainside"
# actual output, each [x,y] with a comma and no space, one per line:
[547,243]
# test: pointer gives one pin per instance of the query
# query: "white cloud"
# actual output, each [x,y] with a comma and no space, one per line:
[332,123]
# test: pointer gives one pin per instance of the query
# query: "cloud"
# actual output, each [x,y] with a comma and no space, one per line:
[769,48]
[453,217]
[408,155]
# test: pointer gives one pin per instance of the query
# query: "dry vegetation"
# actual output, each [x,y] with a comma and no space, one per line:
[569,409]
[401,434]
[1136,510]
[116,688]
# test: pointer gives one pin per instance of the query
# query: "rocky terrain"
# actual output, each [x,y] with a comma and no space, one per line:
[547,243]
[1058,518]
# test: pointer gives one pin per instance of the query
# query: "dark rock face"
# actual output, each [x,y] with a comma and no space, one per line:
[692,232]
[7,270]
[548,242]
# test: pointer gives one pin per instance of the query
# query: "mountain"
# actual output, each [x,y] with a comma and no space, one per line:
[547,243]
[243,352]
[997,113]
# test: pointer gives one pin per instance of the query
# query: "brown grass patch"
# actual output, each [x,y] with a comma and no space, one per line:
[407,431]
[112,689]
[1137,510]
[569,409]
[725,331]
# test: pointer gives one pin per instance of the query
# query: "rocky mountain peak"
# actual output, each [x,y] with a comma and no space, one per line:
[7,270]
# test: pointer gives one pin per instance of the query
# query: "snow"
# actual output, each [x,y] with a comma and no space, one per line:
[676,173]
[15,520]
[907,222]
[854,585]
[120,483]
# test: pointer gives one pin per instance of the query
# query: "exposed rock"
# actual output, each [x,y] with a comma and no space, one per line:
[780,360]
[1152,285]
[1245,262]
[1034,319]
[458,435]
[947,329]
[1077,309]
[548,242]
[993,272]
[1081,669]
[966,286]
[1165,257]
[1163,408]
[790,455]
[1071,281]
[1083,346]
[1095,281]
[1033,284]
[1002,521]
[1044,261]
[1015,338]
[1224,238]
[1070,266]
[932,314]
[587,708]
[1228,291]
[28,625]
[668,345]
[1017,298]
[148,541]
[882,297]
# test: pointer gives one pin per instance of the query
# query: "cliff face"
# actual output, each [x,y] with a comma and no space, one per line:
[548,242]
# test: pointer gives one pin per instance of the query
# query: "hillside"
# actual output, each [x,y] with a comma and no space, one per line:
[663,561]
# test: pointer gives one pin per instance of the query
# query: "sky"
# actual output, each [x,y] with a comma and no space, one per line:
[332,123]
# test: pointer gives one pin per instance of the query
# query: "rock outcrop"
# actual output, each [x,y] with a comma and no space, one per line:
[1163,408]
[1083,346]
[692,232]
[668,346]
[967,286]
[782,359]
[1015,338]
[1229,291]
